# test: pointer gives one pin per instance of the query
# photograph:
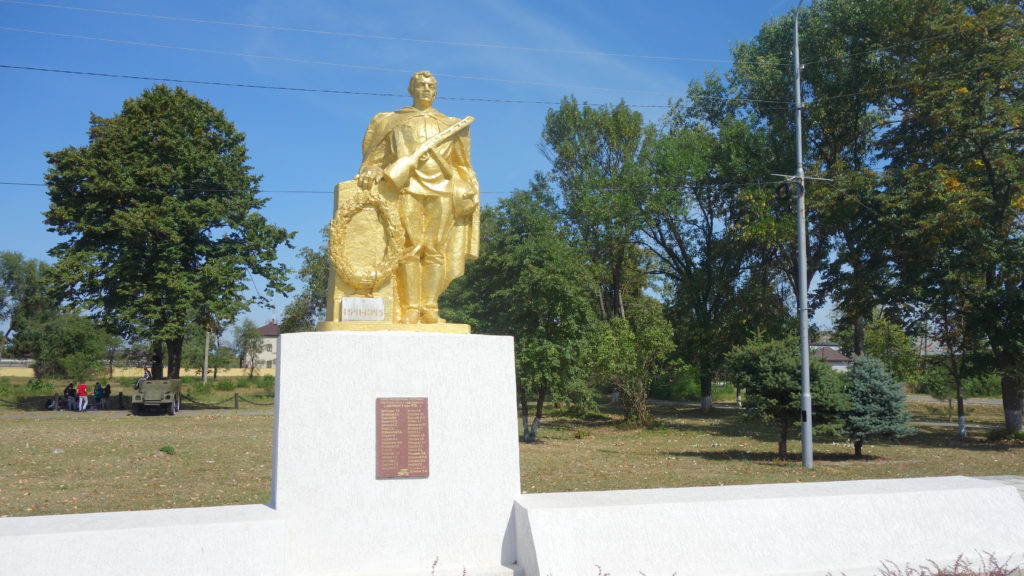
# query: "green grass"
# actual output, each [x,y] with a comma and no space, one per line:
[59,463]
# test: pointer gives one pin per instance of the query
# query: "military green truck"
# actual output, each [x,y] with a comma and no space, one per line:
[157,395]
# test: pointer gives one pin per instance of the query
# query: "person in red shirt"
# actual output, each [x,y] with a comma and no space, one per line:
[83,396]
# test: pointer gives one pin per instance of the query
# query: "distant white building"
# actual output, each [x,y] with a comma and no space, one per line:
[267,357]
[829,352]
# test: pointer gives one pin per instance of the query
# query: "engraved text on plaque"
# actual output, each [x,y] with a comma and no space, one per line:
[403,439]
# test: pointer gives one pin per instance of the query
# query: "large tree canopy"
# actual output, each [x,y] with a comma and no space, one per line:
[955,175]
[161,219]
[531,283]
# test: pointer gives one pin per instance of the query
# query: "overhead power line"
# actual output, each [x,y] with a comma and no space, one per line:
[371,36]
[721,185]
[783,105]
[324,62]
[40,184]
[268,87]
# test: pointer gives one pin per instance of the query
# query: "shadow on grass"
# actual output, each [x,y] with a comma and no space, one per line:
[773,457]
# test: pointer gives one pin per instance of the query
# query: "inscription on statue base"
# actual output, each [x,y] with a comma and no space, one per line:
[403,439]
[363,310]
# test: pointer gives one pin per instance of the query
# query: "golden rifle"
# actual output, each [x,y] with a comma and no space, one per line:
[398,171]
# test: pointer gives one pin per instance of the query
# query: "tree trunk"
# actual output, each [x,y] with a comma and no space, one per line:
[856,448]
[1013,391]
[538,413]
[1013,402]
[783,436]
[705,392]
[524,406]
[961,415]
[174,356]
[858,335]
[158,360]
[206,356]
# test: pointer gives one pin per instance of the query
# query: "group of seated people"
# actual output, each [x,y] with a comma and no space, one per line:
[76,398]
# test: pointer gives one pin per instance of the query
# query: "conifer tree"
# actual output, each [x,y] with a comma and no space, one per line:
[877,404]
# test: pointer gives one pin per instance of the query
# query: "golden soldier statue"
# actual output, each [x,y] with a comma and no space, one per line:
[406,225]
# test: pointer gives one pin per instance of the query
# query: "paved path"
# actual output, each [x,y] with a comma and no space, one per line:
[924,398]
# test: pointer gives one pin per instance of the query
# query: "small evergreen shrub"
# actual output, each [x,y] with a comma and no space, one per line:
[877,406]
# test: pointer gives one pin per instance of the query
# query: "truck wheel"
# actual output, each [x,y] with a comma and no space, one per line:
[136,409]
[170,408]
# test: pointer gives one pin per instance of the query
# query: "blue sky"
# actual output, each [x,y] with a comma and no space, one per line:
[505,63]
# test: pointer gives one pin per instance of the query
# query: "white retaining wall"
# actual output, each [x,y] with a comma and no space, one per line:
[794,529]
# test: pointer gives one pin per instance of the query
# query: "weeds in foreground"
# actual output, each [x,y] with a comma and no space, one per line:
[990,565]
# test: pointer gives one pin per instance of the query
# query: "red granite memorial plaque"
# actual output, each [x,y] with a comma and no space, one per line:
[403,439]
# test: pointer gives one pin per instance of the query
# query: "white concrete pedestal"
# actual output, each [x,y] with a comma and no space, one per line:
[341,519]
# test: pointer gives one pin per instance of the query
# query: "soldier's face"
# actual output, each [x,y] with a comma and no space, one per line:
[423,89]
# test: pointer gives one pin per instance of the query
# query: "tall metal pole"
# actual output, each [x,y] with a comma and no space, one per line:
[801,216]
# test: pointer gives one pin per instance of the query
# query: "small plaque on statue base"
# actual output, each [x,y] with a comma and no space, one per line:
[403,439]
[363,310]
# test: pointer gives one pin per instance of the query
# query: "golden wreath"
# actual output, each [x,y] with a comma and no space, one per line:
[366,278]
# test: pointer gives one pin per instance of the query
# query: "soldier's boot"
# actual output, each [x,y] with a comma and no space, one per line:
[433,284]
[409,291]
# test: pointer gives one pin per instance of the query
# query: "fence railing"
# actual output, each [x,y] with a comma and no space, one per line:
[40,403]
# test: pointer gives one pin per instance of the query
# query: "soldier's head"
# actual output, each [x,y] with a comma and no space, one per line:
[423,88]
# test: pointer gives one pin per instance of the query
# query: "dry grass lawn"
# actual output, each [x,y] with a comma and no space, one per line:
[67,463]
[694,449]
[60,463]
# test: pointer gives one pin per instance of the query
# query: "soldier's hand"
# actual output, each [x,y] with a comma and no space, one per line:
[369,177]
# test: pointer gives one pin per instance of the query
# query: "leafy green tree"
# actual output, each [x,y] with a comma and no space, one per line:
[769,371]
[222,357]
[954,172]
[877,404]
[63,344]
[22,292]
[161,219]
[628,355]
[844,114]
[719,289]
[310,305]
[597,158]
[885,340]
[248,343]
[530,283]
[217,356]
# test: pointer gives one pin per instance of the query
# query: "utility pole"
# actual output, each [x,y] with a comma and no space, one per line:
[801,216]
